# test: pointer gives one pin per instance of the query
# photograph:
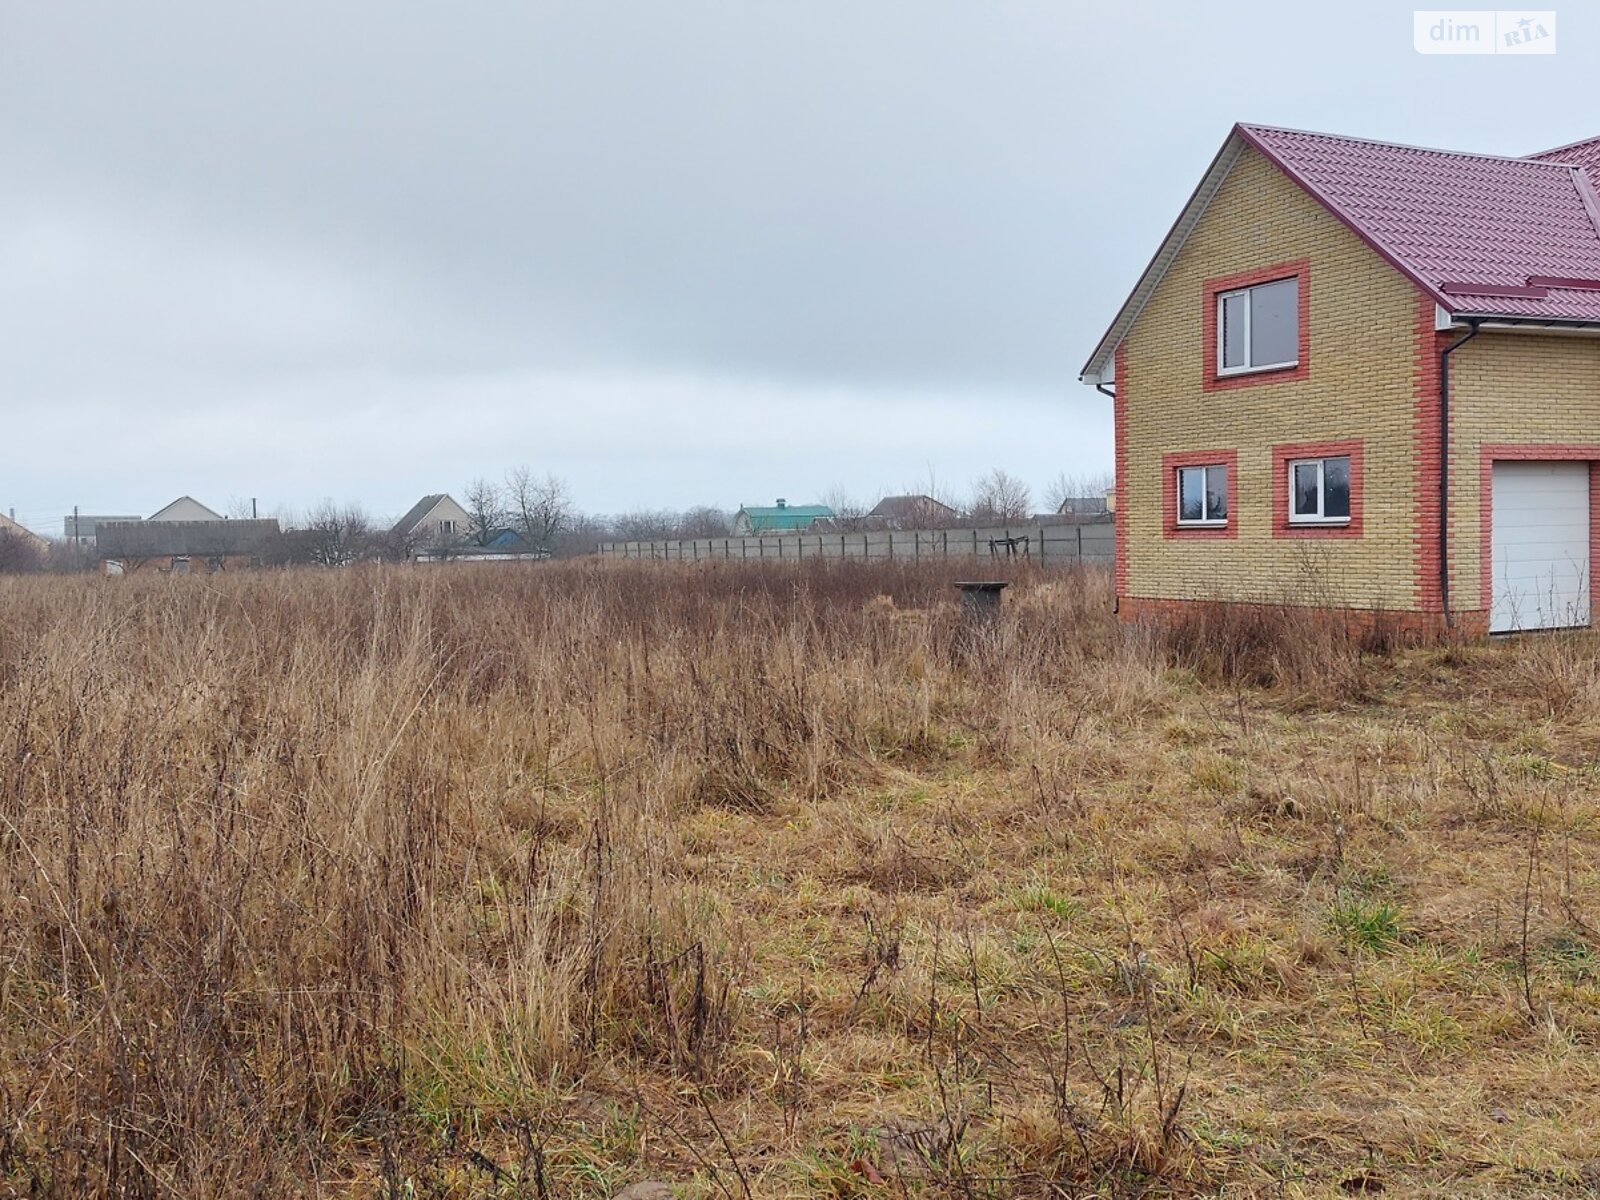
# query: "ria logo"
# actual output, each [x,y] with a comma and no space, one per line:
[1484,31]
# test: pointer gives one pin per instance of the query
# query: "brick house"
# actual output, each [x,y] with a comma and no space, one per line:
[1365,376]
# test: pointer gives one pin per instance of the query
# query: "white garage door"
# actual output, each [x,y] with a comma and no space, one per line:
[1540,543]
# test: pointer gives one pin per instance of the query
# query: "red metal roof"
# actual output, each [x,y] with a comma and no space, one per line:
[1585,154]
[1474,230]
[1483,235]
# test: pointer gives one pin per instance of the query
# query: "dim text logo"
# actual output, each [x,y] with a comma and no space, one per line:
[1483,31]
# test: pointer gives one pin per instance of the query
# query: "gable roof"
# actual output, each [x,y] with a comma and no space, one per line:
[900,508]
[158,515]
[419,511]
[1482,235]
[783,516]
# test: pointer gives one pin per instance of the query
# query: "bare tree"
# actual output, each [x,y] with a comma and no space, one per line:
[849,513]
[644,525]
[394,544]
[1066,486]
[486,506]
[334,536]
[66,556]
[1000,498]
[540,509]
[703,521]
[19,553]
[935,489]
[581,535]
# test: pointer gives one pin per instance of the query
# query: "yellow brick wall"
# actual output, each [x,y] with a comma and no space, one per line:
[1511,389]
[1362,384]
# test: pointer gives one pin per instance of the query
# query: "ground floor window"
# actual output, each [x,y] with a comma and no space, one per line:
[1203,494]
[1319,490]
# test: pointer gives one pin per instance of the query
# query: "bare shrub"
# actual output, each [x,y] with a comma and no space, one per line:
[1319,653]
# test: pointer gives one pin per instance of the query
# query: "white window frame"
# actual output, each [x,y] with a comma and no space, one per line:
[1202,522]
[446,525]
[1249,306]
[1322,490]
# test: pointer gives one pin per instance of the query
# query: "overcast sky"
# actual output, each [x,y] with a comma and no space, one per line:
[678,253]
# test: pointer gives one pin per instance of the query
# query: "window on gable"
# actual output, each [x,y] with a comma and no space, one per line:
[1319,490]
[1258,328]
[1203,495]
[447,526]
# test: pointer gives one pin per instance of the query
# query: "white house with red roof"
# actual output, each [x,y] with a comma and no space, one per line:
[1366,377]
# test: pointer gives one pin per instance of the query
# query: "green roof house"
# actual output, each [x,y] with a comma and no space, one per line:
[782,517]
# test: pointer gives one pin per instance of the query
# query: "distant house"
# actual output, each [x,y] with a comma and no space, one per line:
[911,512]
[79,529]
[508,541]
[781,517]
[184,508]
[435,520]
[506,545]
[1086,508]
[185,547]
[10,528]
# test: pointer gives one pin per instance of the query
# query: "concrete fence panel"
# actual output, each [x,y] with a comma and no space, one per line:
[1055,545]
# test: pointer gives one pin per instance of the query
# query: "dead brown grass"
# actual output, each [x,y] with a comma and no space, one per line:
[770,883]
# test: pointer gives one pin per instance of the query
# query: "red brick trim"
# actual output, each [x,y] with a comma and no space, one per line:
[1119,430]
[1425,538]
[1562,452]
[1282,456]
[1169,493]
[1210,381]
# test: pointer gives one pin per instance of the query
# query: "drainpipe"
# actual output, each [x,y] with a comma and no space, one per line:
[1444,467]
[1116,600]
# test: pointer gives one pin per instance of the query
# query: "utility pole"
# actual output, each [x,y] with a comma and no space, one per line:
[252,508]
[76,540]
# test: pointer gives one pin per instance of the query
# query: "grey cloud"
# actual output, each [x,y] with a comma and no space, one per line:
[673,251]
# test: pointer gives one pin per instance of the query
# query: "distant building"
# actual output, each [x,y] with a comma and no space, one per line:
[185,508]
[911,512]
[435,520]
[506,545]
[79,529]
[508,541]
[10,528]
[1086,507]
[185,547]
[781,517]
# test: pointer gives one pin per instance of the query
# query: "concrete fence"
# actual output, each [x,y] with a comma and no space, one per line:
[1055,545]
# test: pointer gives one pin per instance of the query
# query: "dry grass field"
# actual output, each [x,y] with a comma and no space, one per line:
[771,883]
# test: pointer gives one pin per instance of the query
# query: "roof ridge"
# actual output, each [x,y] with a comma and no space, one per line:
[1586,193]
[1366,141]
[1547,155]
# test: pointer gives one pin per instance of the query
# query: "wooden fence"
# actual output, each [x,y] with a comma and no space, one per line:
[1055,545]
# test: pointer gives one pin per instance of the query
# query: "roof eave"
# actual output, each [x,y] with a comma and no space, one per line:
[1094,371]
[1527,324]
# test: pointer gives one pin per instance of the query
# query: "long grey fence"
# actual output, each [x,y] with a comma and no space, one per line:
[1055,545]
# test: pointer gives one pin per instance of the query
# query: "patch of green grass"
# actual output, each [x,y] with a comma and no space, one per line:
[1040,897]
[1534,766]
[1572,956]
[1215,773]
[1365,924]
